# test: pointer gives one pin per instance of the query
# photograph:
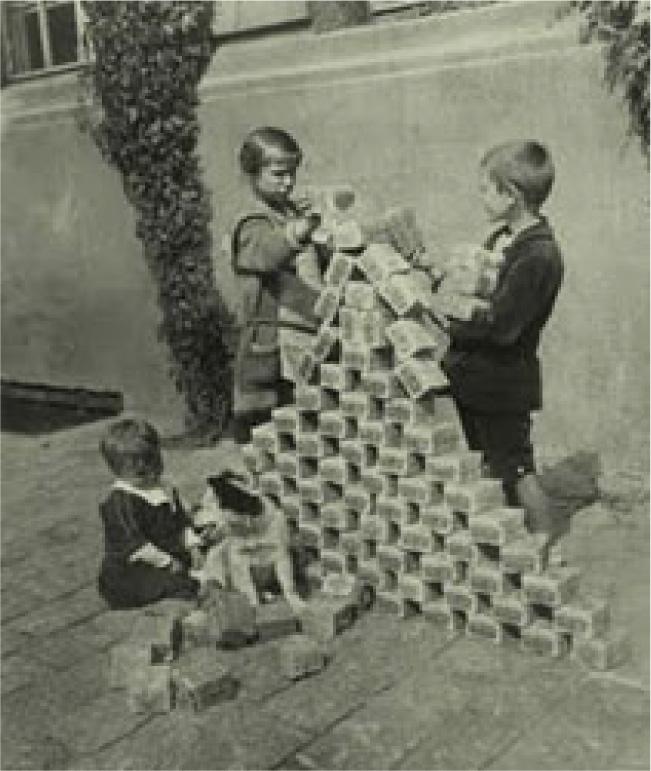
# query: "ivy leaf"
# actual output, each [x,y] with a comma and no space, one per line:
[146,88]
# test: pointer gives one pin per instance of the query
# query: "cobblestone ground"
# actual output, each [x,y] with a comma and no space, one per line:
[396,695]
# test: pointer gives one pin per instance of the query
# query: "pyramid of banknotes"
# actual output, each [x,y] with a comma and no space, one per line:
[372,472]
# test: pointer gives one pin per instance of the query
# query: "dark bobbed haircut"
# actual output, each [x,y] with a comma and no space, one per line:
[266,144]
[230,490]
[132,446]
[527,165]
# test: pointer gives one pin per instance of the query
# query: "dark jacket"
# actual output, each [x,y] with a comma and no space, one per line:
[264,262]
[492,363]
[130,522]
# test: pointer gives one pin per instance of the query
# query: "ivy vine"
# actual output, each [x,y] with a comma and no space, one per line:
[140,107]
[624,28]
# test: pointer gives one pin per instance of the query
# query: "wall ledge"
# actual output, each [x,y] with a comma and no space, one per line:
[401,48]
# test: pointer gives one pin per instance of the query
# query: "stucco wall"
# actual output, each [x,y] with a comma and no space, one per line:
[402,112]
[78,307]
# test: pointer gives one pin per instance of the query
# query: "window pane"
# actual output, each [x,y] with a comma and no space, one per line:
[34,49]
[244,16]
[63,33]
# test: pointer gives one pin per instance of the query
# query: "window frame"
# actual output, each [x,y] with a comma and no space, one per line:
[40,8]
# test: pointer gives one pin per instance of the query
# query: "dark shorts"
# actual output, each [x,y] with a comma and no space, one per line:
[137,584]
[504,439]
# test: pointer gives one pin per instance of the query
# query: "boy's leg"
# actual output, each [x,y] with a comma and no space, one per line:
[474,430]
[509,456]
[469,426]
[504,439]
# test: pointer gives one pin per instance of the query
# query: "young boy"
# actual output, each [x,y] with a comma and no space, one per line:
[492,363]
[146,533]
[266,244]
[251,541]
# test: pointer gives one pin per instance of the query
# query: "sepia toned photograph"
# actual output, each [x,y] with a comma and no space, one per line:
[325,384]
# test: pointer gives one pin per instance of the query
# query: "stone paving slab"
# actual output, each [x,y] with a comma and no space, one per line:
[89,727]
[18,670]
[69,689]
[83,603]
[365,664]
[506,691]
[257,669]
[49,572]
[162,742]
[16,602]
[30,713]
[69,530]
[14,549]
[600,725]
[612,550]
[99,633]
[11,639]
[26,745]
[466,700]
[63,649]
[228,736]
[115,624]
[397,693]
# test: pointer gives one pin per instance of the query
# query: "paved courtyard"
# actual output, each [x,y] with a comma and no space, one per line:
[396,695]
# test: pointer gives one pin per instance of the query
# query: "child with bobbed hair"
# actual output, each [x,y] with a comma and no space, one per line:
[492,363]
[147,535]
[277,270]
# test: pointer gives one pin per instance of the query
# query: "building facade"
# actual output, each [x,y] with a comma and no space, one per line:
[402,110]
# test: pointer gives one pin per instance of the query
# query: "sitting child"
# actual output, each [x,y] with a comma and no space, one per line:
[146,533]
[250,550]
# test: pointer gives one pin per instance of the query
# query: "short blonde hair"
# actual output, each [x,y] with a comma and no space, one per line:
[132,447]
[527,165]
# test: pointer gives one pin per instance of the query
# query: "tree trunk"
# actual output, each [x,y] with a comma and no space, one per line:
[328,15]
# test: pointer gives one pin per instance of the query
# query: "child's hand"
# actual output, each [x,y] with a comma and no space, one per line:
[304,205]
[301,228]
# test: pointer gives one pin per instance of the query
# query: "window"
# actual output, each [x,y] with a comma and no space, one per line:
[256,15]
[41,37]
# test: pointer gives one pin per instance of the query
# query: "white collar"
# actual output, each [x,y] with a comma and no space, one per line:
[154,495]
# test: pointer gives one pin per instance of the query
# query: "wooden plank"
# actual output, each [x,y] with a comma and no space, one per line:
[82,398]
[45,34]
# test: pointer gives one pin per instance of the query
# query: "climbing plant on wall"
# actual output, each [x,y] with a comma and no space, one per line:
[140,96]
[624,28]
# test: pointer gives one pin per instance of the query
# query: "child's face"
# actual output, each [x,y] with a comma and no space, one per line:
[498,203]
[275,181]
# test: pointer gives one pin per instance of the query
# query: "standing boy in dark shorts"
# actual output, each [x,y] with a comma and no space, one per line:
[492,362]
